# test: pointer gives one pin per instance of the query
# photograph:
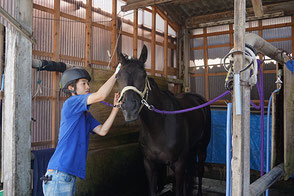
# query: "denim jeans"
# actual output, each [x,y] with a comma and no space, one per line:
[62,184]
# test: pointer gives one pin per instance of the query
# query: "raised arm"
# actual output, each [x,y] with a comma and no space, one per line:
[104,90]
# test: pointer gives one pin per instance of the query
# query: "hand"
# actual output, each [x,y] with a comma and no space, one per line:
[117,68]
[115,100]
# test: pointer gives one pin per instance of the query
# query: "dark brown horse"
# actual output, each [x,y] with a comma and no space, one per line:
[175,140]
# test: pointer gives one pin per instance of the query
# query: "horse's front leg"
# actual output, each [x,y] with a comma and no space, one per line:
[151,175]
[180,177]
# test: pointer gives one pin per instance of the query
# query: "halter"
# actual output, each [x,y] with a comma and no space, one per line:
[142,94]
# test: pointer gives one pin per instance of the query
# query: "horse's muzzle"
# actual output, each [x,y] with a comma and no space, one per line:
[130,110]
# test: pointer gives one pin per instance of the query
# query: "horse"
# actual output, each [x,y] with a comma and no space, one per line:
[178,141]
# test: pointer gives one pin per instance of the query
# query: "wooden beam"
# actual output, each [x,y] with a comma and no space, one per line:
[241,117]
[88,34]
[114,33]
[56,53]
[206,65]
[131,5]
[257,7]
[270,11]
[135,36]
[43,8]
[153,41]
[288,118]
[186,59]
[165,49]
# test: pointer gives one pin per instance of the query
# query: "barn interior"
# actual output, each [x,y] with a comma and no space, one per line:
[187,41]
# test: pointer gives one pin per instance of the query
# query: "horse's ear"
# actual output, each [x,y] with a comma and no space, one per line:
[143,56]
[121,58]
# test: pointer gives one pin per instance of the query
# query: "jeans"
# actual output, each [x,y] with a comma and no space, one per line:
[62,184]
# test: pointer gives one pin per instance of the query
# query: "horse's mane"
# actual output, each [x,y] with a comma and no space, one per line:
[153,84]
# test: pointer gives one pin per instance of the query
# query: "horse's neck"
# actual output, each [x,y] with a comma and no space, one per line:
[155,99]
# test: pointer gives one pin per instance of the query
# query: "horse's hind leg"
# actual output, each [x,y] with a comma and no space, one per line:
[200,168]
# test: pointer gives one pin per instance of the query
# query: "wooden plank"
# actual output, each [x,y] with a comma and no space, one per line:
[47,98]
[257,8]
[101,26]
[43,8]
[153,41]
[56,53]
[240,185]
[42,53]
[206,65]
[71,58]
[88,34]
[135,36]
[141,4]
[43,143]
[247,29]
[100,62]
[186,59]
[165,49]
[288,118]
[71,17]
[114,33]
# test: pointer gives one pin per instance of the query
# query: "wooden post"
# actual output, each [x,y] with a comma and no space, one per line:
[2,62]
[165,48]
[206,64]
[288,118]
[88,49]
[180,51]
[18,104]
[153,41]
[186,60]
[56,53]
[135,36]
[241,122]
[114,33]
[260,34]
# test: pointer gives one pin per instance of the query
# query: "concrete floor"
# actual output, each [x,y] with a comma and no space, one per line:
[213,187]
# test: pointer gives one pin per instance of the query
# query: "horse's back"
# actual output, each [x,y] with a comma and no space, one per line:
[199,120]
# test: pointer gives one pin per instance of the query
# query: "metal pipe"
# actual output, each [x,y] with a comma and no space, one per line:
[261,45]
[261,184]
[279,83]
[228,150]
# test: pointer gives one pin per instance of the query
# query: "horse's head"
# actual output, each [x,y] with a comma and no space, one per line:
[133,84]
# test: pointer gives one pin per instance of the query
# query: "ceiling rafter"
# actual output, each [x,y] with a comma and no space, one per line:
[270,11]
[257,7]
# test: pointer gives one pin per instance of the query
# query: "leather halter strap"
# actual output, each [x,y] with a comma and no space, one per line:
[142,94]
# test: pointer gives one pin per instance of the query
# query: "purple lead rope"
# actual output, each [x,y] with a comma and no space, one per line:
[190,109]
[259,85]
[108,104]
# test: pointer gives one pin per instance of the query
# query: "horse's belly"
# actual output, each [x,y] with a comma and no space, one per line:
[165,156]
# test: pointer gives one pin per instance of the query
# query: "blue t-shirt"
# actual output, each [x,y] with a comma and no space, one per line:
[75,126]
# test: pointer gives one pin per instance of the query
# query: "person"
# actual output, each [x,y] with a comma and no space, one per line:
[69,158]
